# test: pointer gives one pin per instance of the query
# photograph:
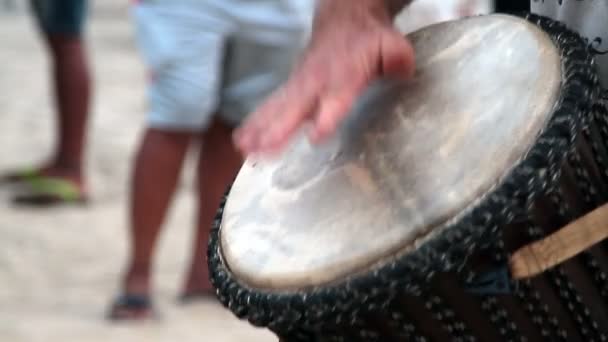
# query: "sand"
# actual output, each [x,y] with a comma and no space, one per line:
[60,268]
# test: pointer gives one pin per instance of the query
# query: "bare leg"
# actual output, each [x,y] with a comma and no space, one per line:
[219,162]
[72,93]
[157,169]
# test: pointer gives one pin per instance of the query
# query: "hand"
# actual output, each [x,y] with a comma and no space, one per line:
[353,43]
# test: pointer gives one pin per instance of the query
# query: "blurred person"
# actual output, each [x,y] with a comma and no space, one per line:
[61,179]
[211,63]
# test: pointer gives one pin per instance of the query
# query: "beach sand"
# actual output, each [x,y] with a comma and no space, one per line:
[60,268]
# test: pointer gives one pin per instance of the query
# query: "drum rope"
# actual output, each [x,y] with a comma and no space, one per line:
[404,326]
[591,198]
[547,323]
[583,88]
[301,337]
[364,332]
[587,326]
[507,328]
[499,316]
[566,290]
[598,158]
[583,181]
[490,304]
[447,317]
[600,118]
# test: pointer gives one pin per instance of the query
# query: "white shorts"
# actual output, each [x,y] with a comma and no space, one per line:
[216,56]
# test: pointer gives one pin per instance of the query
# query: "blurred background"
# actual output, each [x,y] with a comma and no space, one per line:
[59,267]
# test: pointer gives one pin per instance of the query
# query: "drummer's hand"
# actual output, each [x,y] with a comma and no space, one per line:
[353,43]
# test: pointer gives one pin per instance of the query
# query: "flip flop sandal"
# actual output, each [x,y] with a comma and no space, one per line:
[20,176]
[132,307]
[46,191]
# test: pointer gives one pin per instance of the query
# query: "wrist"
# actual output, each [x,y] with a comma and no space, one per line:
[394,7]
[383,10]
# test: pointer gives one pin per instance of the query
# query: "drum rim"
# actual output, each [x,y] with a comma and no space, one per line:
[538,170]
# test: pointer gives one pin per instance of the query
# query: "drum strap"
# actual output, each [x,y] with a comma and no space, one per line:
[565,243]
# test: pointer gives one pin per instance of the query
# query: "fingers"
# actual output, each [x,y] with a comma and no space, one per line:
[397,55]
[270,126]
[396,59]
[333,109]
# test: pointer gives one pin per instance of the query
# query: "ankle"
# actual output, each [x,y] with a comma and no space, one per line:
[68,166]
[137,281]
[69,171]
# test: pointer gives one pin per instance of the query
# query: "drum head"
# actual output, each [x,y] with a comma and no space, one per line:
[412,157]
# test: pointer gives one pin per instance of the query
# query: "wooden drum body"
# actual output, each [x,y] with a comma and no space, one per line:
[401,227]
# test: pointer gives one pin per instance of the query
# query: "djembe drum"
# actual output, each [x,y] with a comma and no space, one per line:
[404,226]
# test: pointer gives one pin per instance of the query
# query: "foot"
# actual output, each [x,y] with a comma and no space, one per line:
[52,171]
[131,307]
[135,301]
[47,186]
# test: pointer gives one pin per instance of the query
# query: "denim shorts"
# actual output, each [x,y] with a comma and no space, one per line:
[60,16]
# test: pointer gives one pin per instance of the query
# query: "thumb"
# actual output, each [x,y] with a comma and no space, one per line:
[397,56]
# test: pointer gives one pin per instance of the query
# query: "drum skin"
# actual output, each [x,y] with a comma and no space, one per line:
[412,156]
[454,284]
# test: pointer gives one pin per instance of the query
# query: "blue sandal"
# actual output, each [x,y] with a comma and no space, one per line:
[131,307]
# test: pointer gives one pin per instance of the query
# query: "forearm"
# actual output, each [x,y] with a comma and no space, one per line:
[334,14]
[395,6]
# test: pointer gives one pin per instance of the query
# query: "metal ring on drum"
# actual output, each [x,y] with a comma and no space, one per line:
[401,227]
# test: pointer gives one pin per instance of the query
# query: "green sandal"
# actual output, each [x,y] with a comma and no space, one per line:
[41,190]
[20,176]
